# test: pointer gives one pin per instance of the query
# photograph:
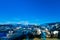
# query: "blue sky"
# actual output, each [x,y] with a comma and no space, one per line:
[32,11]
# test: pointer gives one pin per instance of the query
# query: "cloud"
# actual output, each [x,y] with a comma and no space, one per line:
[14,22]
[23,22]
[19,21]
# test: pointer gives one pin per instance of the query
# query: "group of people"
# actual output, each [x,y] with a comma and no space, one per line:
[43,31]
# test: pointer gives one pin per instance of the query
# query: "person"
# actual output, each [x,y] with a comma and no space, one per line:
[43,33]
[59,35]
[26,33]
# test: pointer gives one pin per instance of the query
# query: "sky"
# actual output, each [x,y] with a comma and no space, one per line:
[29,11]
